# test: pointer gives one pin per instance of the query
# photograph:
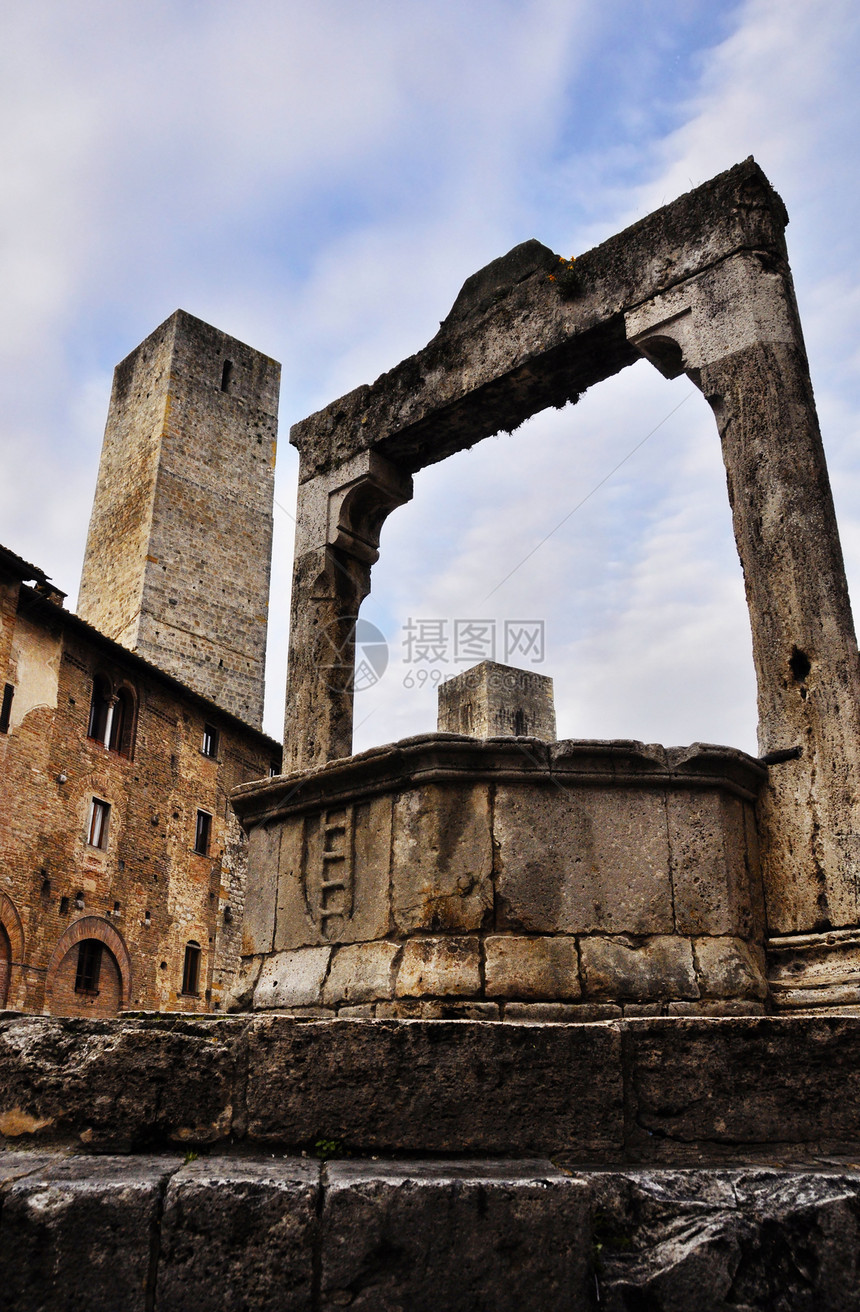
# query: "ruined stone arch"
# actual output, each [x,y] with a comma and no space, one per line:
[89,927]
[702,286]
[11,950]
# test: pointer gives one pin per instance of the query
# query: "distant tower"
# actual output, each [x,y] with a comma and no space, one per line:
[180,541]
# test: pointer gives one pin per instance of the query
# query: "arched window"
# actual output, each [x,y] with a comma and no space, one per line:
[122,723]
[99,709]
[191,969]
[112,716]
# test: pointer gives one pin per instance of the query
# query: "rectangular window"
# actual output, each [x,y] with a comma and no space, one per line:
[191,969]
[210,740]
[99,819]
[6,707]
[274,769]
[89,966]
[201,836]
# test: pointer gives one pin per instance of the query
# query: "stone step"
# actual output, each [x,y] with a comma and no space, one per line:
[662,1090]
[156,1233]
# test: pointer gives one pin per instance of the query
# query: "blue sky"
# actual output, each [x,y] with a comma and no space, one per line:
[319,179]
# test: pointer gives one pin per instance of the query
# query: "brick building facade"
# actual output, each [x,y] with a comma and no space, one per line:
[121,862]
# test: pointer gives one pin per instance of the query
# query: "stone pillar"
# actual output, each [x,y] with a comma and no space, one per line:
[492,700]
[735,331]
[339,517]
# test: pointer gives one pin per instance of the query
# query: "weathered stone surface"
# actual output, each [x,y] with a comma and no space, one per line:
[79,1234]
[572,824]
[450,967]
[714,1007]
[455,1235]
[119,1085]
[259,1232]
[655,968]
[261,893]
[292,979]
[436,1009]
[804,645]
[239,1233]
[578,861]
[442,859]
[736,1084]
[715,878]
[729,968]
[747,1085]
[576,1013]
[715,1240]
[361,972]
[517,967]
[348,844]
[436,1086]
[813,970]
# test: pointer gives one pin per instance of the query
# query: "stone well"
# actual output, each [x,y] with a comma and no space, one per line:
[507,878]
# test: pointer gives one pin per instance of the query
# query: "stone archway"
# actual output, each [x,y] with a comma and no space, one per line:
[702,286]
[70,989]
[11,951]
[5,967]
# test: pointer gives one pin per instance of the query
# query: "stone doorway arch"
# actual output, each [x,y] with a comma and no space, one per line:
[66,994]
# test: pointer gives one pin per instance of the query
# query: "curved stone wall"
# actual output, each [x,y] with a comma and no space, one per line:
[508,877]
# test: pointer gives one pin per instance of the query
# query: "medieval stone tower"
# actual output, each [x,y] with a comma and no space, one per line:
[178,553]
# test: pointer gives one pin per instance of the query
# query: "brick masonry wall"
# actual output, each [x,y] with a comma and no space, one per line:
[186,486]
[148,886]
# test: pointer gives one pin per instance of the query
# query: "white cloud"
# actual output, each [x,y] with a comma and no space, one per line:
[319,179]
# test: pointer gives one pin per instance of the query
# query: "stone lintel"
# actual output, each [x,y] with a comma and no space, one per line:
[511,344]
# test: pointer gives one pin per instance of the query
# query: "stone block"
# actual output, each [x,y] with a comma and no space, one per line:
[261,889]
[456,1235]
[730,968]
[436,1009]
[292,979]
[436,1086]
[579,860]
[654,969]
[78,1234]
[361,972]
[715,1007]
[114,1086]
[715,875]
[333,875]
[812,970]
[445,1010]
[581,1013]
[742,1083]
[239,1233]
[522,968]
[442,859]
[447,967]
[715,1239]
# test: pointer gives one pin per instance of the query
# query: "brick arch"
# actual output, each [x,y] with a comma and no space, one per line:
[11,922]
[90,927]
